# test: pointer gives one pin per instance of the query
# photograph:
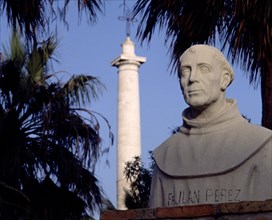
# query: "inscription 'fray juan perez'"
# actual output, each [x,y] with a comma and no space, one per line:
[192,197]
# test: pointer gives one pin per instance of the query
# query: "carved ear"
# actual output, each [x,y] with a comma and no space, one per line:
[226,79]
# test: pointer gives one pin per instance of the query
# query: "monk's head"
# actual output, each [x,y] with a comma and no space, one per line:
[204,75]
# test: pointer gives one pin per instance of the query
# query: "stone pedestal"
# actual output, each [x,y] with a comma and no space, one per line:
[228,211]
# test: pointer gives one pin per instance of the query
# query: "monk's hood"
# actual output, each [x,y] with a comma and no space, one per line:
[211,147]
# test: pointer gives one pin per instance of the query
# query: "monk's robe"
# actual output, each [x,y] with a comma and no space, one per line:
[217,160]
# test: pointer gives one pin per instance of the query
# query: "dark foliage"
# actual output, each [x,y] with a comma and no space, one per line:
[34,17]
[187,22]
[140,182]
[243,27]
[48,149]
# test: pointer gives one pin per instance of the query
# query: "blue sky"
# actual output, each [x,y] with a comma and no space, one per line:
[89,49]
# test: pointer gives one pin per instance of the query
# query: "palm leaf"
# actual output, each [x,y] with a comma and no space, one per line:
[34,17]
[82,88]
[48,147]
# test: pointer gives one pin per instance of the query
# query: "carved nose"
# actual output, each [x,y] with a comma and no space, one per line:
[193,76]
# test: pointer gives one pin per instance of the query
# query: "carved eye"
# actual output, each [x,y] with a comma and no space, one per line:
[185,72]
[204,69]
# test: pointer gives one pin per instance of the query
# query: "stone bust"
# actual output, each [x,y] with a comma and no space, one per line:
[217,156]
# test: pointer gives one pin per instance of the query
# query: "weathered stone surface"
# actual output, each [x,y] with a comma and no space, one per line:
[129,214]
[229,211]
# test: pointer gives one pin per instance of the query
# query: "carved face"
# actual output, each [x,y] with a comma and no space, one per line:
[201,78]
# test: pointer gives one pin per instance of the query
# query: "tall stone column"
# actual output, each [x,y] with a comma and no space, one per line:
[128,133]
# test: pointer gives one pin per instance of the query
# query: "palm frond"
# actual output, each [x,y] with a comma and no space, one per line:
[248,36]
[245,33]
[39,58]
[34,17]
[82,89]
[186,22]
[48,148]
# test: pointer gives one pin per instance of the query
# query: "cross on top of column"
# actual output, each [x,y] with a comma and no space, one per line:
[127,17]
